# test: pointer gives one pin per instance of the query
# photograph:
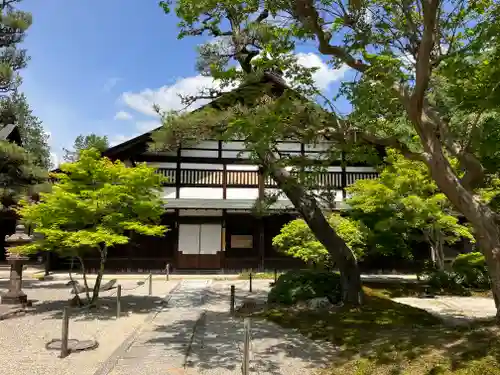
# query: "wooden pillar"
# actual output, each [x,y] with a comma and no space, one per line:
[176,239]
[223,241]
[343,177]
[178,174]
[261,239]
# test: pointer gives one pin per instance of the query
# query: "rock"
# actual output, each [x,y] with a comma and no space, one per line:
[319,303]
[248,306]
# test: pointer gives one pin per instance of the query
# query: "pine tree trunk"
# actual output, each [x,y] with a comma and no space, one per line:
[308,208]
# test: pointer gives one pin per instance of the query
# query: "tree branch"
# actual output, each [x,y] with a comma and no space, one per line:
[424,66]
[308,15]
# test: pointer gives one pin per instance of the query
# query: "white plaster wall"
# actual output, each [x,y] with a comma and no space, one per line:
[289,146]
[281,197]
[161,165]
[233,145]
[338,194]
[242,167]
[168,192]
[200,153]
[189,212]
[236,154]
[211,238]
[242,193]
[200,193]
[201,166]
[360,169]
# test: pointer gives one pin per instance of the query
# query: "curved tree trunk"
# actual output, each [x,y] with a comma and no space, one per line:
[308,208]
[95,292]
[482,218]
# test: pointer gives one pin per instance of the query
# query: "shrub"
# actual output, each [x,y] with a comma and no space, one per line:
[446,282]
[472,270]
[303,285]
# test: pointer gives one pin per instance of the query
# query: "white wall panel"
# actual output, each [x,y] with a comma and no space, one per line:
[233,145]
[201,166]
[201,193]
[322,146]
[161,165]
[200,153]
[169,192]
[360,169]
[211,238]
[334,169]
[281,197]
[242,193]
[242,167]
[189,212]
[236,154]
[206,144]
[338,194]
[289,146]
[189,238]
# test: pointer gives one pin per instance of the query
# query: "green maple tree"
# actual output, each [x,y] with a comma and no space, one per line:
[405,200]
[95,204]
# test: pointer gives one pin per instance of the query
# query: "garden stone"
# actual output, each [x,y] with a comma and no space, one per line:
[318,303]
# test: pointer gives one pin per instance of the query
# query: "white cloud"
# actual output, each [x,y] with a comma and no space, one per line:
[324,76]
[167,97]
[55,160]
[122,115]
[146,126]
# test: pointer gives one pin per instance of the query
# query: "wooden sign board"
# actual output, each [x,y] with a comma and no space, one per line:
[239,241]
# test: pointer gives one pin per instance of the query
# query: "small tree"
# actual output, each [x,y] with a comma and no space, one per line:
[19,176]
[84,142]
[296,239]
[405,199]
[95,204]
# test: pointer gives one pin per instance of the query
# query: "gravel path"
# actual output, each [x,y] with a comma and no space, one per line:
[23,339]
[454,309]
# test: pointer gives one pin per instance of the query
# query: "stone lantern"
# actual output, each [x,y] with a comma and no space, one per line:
[15,294]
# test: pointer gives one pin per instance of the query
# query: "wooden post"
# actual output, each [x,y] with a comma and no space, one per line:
[246,347]
[65,333]
[167,272]
[231,306]
[250,284]
[150,284]
[118,301]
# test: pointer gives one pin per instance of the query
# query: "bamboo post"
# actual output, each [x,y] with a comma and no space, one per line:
[246,347]
[250,284]
[65,333]
[150,284]
[231,306]
[118,301]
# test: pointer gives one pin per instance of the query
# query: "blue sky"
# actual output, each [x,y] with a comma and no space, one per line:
[99,66]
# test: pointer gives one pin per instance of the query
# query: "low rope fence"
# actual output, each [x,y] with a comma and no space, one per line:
[65,345]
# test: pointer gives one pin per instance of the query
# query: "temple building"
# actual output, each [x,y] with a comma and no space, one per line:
[210,193]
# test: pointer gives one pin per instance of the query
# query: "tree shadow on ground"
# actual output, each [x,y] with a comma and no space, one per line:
[217,341]
[390,335]
[35,284]
[105,308]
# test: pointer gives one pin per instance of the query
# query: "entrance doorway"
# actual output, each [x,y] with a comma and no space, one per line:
[200,246]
